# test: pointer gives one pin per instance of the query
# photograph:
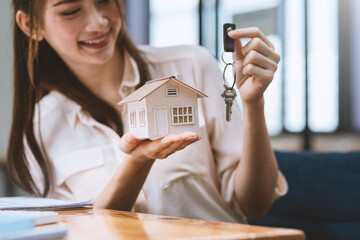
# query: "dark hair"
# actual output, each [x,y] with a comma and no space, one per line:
[37,70]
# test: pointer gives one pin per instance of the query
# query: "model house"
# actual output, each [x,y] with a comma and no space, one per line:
[161,107]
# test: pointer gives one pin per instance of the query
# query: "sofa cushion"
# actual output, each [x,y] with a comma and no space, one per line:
[322,186]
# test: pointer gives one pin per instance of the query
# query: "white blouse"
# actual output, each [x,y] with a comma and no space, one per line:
[196,182]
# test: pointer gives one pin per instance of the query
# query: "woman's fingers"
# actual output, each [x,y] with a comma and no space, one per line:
[256,63]
[252,32]
[187,138]
[182,141]
[156,149]
[238,49]
[262,76]
[128,143]
[255,58]
[261,47]
[258,42]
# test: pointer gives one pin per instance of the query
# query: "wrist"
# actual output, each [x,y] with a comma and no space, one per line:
[258,104]
[139,160]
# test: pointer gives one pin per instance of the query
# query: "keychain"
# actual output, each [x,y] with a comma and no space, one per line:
[229,93]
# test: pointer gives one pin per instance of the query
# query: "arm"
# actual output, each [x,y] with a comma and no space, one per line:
[256,174]
[123,189]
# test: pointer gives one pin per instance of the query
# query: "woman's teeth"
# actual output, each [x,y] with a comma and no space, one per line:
[93,42]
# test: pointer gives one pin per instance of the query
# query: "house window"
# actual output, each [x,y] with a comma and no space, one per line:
[132,118]
[182,115]
[141,117]
[172,91]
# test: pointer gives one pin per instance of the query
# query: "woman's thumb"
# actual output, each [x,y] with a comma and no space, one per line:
[128,143]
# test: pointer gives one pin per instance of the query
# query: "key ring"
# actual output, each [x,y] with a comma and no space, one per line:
[234,59]
[234,72]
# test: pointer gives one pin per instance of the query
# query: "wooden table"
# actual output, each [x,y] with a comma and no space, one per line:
[110,224]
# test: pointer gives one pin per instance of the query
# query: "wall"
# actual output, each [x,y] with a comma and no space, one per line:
[5,75]
[137,20]
[355,44]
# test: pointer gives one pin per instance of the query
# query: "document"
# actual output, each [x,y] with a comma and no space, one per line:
[32,203]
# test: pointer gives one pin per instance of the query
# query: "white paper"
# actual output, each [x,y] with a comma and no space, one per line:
[32,203]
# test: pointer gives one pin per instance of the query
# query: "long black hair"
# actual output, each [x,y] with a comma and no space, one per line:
[38,69]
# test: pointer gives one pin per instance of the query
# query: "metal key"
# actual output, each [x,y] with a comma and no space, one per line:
[229,95]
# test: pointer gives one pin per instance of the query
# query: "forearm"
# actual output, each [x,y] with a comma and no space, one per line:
[256,174]
[123,189]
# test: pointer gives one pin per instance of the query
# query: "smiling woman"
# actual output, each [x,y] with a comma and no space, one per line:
[74,61]
[64,35]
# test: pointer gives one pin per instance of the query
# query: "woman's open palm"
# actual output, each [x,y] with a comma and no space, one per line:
[156,149]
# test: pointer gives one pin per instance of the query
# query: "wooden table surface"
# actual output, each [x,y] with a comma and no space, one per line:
[110,224]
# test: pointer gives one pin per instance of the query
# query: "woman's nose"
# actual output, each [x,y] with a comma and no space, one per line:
[96,21]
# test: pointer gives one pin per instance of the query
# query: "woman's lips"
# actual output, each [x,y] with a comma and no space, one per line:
[97,43]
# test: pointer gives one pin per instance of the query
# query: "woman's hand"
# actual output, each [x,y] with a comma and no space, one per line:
[144,150]
[255,64]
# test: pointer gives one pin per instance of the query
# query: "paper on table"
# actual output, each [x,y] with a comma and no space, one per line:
[31,203]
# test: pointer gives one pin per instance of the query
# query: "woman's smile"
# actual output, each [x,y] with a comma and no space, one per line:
[98,42]
[88,36]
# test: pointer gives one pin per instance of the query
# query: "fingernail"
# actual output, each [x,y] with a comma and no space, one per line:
[194,137]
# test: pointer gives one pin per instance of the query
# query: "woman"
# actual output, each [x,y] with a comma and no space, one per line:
[74,61]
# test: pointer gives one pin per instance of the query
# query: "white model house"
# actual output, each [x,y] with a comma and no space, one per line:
[161,107]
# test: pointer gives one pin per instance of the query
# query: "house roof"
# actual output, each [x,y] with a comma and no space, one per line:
[152,85]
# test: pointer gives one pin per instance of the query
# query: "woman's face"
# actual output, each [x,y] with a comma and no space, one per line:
[82,31]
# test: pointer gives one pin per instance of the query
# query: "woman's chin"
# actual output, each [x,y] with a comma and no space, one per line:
[98,59]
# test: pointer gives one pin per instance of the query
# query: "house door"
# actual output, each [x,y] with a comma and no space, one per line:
[161,121]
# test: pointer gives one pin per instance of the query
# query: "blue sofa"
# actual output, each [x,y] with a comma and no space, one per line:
[323,198]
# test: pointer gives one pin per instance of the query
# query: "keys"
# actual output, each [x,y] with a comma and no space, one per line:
[229,95]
